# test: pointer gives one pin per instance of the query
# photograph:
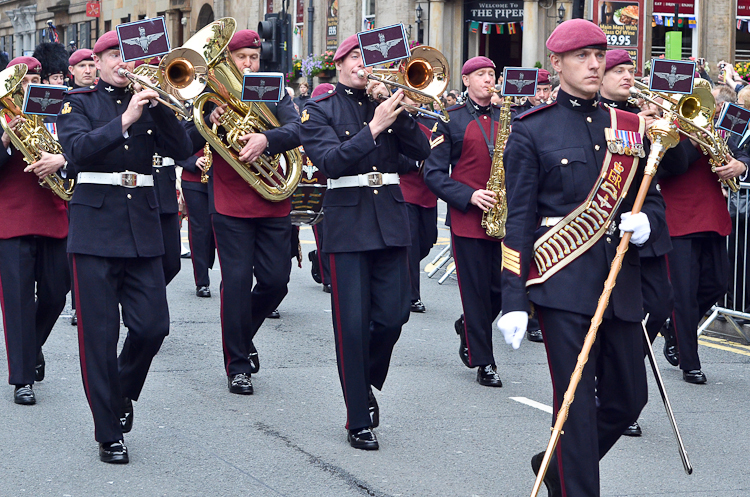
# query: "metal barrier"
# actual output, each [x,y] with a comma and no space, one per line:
[443,259]
[736,302]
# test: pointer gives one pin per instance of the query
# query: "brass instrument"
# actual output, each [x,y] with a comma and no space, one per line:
[209,162]
[695,113]
[31,136]
[424,77]
[144,76]
[493,220]
[239,118]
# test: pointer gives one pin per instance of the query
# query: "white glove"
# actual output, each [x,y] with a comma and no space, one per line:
[513,326]
[638,225]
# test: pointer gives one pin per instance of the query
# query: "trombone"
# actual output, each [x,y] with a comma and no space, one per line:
[143,77]
[423,77]
[695,112]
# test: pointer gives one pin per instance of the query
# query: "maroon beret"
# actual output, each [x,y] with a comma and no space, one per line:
[106,41]
[543,77]
[245,38]
[80,55]
[476,63]
[575,34]
[321,89]
[34,66]
[617,57]
[347,46]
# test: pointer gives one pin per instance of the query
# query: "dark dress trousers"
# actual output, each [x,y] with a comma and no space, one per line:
[549,173]
[165,186]
[34,276]
[117,245]
[366,236]
[460,164]
[200,229]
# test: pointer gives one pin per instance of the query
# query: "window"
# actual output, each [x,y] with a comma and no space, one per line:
[71,34]
[368,14]
[84,38]
[297,29]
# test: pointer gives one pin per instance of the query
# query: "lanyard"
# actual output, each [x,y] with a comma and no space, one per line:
[490,144]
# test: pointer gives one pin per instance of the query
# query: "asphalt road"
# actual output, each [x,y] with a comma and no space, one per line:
[441,433]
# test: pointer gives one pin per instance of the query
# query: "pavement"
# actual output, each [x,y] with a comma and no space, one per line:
[441,433]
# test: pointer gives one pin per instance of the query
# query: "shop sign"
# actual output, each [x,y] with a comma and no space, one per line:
[493,12]
[622,22]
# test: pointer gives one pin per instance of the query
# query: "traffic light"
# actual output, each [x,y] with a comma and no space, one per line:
[271,44]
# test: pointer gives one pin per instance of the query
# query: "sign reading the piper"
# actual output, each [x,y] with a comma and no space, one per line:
[519,81]
[734,119]
[263,87]
[383,45]
[44,100]
[143,39]
[672,76]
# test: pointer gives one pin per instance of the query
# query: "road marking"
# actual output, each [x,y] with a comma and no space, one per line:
[724,345]
[533,403]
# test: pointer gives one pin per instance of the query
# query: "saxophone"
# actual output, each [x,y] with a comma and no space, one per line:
[209,162]
[493,220]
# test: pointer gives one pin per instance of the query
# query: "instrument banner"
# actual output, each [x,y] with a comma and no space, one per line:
[582,228]
[672,76]
[143,39]
[734,119]
[263,87]
[44,100]
[383,45]
[520,81]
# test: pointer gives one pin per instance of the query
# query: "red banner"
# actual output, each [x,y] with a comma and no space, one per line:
[743,8]
[666,7]
[93,9]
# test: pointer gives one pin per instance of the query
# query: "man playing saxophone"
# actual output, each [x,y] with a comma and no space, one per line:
[467,144]
[34,277]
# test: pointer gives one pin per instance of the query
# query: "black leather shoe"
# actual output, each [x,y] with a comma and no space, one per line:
[186,255]
[24,395]
[694,376]
[374,409]
[671,352]
[633,430]
[202,291]
[315,269]
[418,306]
[362,438]
[488,377]
[463,350]
[240,384]
[534,336]
[551,478]
[253,358]
[74,318]
[327,288]
[274,315]
[40,367]
[126,415]
[113,452]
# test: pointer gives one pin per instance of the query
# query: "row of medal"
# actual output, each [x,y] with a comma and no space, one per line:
[625,142]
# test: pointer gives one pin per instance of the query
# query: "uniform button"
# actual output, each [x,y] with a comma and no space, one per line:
[609,239]
[119,101]
[149,132]
[390,130]
[360,103]
[484,117]
[346,132]
[374,168]
[130,196]
[365,123]
[126,147]
[588,119]
[596,147]
[375,192]
[564,161]
[158,170]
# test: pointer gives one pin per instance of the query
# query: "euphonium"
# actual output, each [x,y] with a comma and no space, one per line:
[31,136]
[493,220]
[239,118]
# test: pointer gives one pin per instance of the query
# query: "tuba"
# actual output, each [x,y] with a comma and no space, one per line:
[31,136]
[206,52]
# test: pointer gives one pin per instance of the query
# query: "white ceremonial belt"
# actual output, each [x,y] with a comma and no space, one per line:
[369,179]
[127,179]
[162,161]
[551,221]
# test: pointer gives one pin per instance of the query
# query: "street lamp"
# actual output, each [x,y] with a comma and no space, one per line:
[561,14]
[418,14]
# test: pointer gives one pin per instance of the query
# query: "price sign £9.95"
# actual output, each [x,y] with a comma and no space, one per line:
[620,41]
[619,21]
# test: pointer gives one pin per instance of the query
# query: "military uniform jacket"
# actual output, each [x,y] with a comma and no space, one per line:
[165,186]
[337,139]
[412,183]
[461,144]
[550,170]
[26,208]
[191,174]
[112,221]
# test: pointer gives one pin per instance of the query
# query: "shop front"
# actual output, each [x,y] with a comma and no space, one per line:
[494,29]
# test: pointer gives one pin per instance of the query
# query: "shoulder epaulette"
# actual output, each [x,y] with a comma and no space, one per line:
[325,95]
[534,110]
[456,107]
[83,89]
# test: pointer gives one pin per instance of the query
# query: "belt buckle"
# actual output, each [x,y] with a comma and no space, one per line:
[374,179]
[158,160]
[129,179]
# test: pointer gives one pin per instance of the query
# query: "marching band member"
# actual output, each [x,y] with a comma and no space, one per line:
[554,192]
[82,68]
[356,143]
[34,277]
[115,238]
[467,143]
[253,235]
